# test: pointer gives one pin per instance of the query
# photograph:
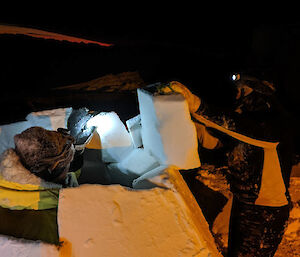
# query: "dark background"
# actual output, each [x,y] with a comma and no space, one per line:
[202,56]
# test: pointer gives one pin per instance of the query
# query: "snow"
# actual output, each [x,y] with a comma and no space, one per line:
[290,244]
[167,130]
[134,127]
[114,221]
[8,132]
[57,117]
[115,141]
[154,177]
[49,119]
[138,162]
[13,247]
[154,218]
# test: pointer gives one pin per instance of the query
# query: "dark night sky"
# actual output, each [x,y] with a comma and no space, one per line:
[182,51]
[202,56]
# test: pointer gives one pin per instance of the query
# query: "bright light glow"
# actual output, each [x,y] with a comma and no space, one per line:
[102,122]
[236,77]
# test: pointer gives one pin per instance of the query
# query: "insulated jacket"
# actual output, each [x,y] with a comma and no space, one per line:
[28,204]
[250,140]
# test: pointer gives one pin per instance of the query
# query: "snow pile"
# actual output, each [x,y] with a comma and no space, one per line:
[290,245]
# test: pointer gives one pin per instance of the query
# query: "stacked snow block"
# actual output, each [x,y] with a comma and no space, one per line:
[119,150]
[139,162]
[163,135]
[168,132]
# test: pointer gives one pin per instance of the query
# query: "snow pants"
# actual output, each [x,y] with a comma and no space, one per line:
[254,230]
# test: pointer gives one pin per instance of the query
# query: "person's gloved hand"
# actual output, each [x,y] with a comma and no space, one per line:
[71,180]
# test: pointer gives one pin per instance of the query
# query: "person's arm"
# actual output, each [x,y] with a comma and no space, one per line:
[206,139]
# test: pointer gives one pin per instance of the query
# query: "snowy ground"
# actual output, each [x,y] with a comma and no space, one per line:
[290,245]
[215,182]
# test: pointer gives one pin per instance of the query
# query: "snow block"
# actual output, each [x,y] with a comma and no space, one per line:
[112,137]
[7,133]
[139,161]
[50,119]
[167,129]
[118,222]
[134,126]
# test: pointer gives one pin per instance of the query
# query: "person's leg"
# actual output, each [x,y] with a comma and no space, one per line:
[235,231]
[255,230]
[275,223]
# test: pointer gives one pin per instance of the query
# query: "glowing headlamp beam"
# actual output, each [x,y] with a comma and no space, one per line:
[102,122]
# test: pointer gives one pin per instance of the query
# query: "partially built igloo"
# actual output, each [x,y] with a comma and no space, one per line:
[145,210]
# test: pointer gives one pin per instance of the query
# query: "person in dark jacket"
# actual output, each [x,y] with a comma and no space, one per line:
[258,137]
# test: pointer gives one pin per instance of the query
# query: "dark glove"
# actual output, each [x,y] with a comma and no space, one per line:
[71,180]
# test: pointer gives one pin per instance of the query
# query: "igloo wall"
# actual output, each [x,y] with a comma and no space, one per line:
[110,218]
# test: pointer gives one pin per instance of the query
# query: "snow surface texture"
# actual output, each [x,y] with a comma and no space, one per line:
[290,244]
[49,119]
[113,221]
[167,130]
